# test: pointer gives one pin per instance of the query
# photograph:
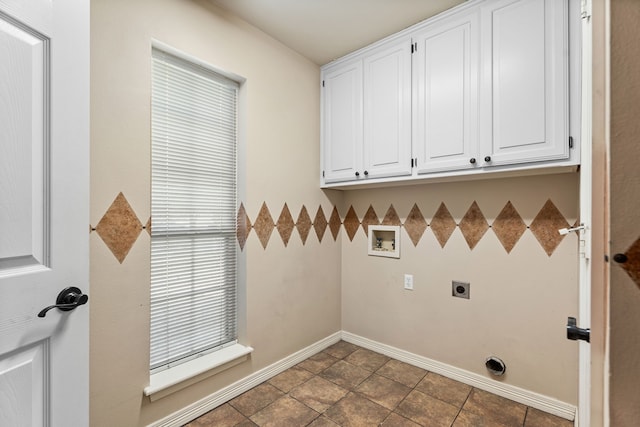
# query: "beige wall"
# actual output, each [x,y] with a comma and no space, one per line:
[292,295]
[625,203]
[519,300]
[300,292]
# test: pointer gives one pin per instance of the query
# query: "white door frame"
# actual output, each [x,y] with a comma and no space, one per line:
[583,417]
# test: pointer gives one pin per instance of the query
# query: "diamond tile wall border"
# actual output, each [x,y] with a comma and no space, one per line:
[264,225]
[473,225]
[391,217]
[320,223]
[415,225]
[351,223]
[509,227]
[443,225]
[119,228]
[243,226]
[632,265]
[545,227]
[370,218]
[285,225]
[304,224]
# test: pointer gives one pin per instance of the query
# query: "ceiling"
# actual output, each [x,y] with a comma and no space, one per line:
[323,30]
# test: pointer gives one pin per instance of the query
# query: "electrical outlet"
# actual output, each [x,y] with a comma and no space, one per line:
[408,281]
[460,289]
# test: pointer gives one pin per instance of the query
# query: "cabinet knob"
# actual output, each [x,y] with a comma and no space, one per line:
[487,159]
[366,173]
[357,173]
[472,160]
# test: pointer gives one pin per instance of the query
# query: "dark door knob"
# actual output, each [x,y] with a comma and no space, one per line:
[620,258]
[487,159]
[366,173]
[68,299]
[472,160]
[357,173]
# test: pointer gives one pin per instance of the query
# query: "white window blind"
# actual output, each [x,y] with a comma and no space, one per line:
[193,206]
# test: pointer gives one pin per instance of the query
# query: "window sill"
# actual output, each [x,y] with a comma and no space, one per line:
[164,383]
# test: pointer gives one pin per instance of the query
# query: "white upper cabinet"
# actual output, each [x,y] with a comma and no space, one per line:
[387,110]
[445,67]
[342,122]
[480,89]
[524,90]
[366,120]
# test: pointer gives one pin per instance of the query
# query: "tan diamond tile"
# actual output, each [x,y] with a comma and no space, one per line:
[284,412]
[545,227]
[320,223]
[243,226]
[370,218]
[335,223]
[415,225]
[264,225]
[468,419]
[303,224]
[495,408]
[442,225]
[318,393]
[401,372]
[341,349]
[383,391]
[285,225]
[351,223]
[119,228]
[509,227]
[323,422]
[345,374]
[444,388]
[473,225]
[290,378]
[318,362]
[222,416]
[252,401]
[367,359]
[395,420]
[632,265]
[357,411]
[147,226]
[391,217]
[537,418]
[427,410]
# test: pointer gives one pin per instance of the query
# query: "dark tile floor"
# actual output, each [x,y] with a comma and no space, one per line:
[346,385]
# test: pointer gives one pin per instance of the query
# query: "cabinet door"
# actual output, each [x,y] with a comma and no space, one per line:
[446,70]
[342,122]
[387,110]
[524,81]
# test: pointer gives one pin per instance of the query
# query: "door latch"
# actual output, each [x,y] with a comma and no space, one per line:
[574,333]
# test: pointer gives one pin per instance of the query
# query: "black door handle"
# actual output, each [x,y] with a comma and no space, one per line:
[68,299]
[575,333]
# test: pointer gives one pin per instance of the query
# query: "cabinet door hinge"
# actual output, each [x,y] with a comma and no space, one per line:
[585,9]
[570,142]
[414,47]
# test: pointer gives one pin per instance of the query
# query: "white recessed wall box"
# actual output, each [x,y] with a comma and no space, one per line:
[384,240]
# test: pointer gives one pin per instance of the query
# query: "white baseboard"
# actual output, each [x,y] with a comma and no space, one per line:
[526,397]
[222,396]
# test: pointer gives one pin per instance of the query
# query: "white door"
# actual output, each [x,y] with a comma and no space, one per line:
[524,95]
[342,122]
[44,145]
[387,110]
[446,82]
